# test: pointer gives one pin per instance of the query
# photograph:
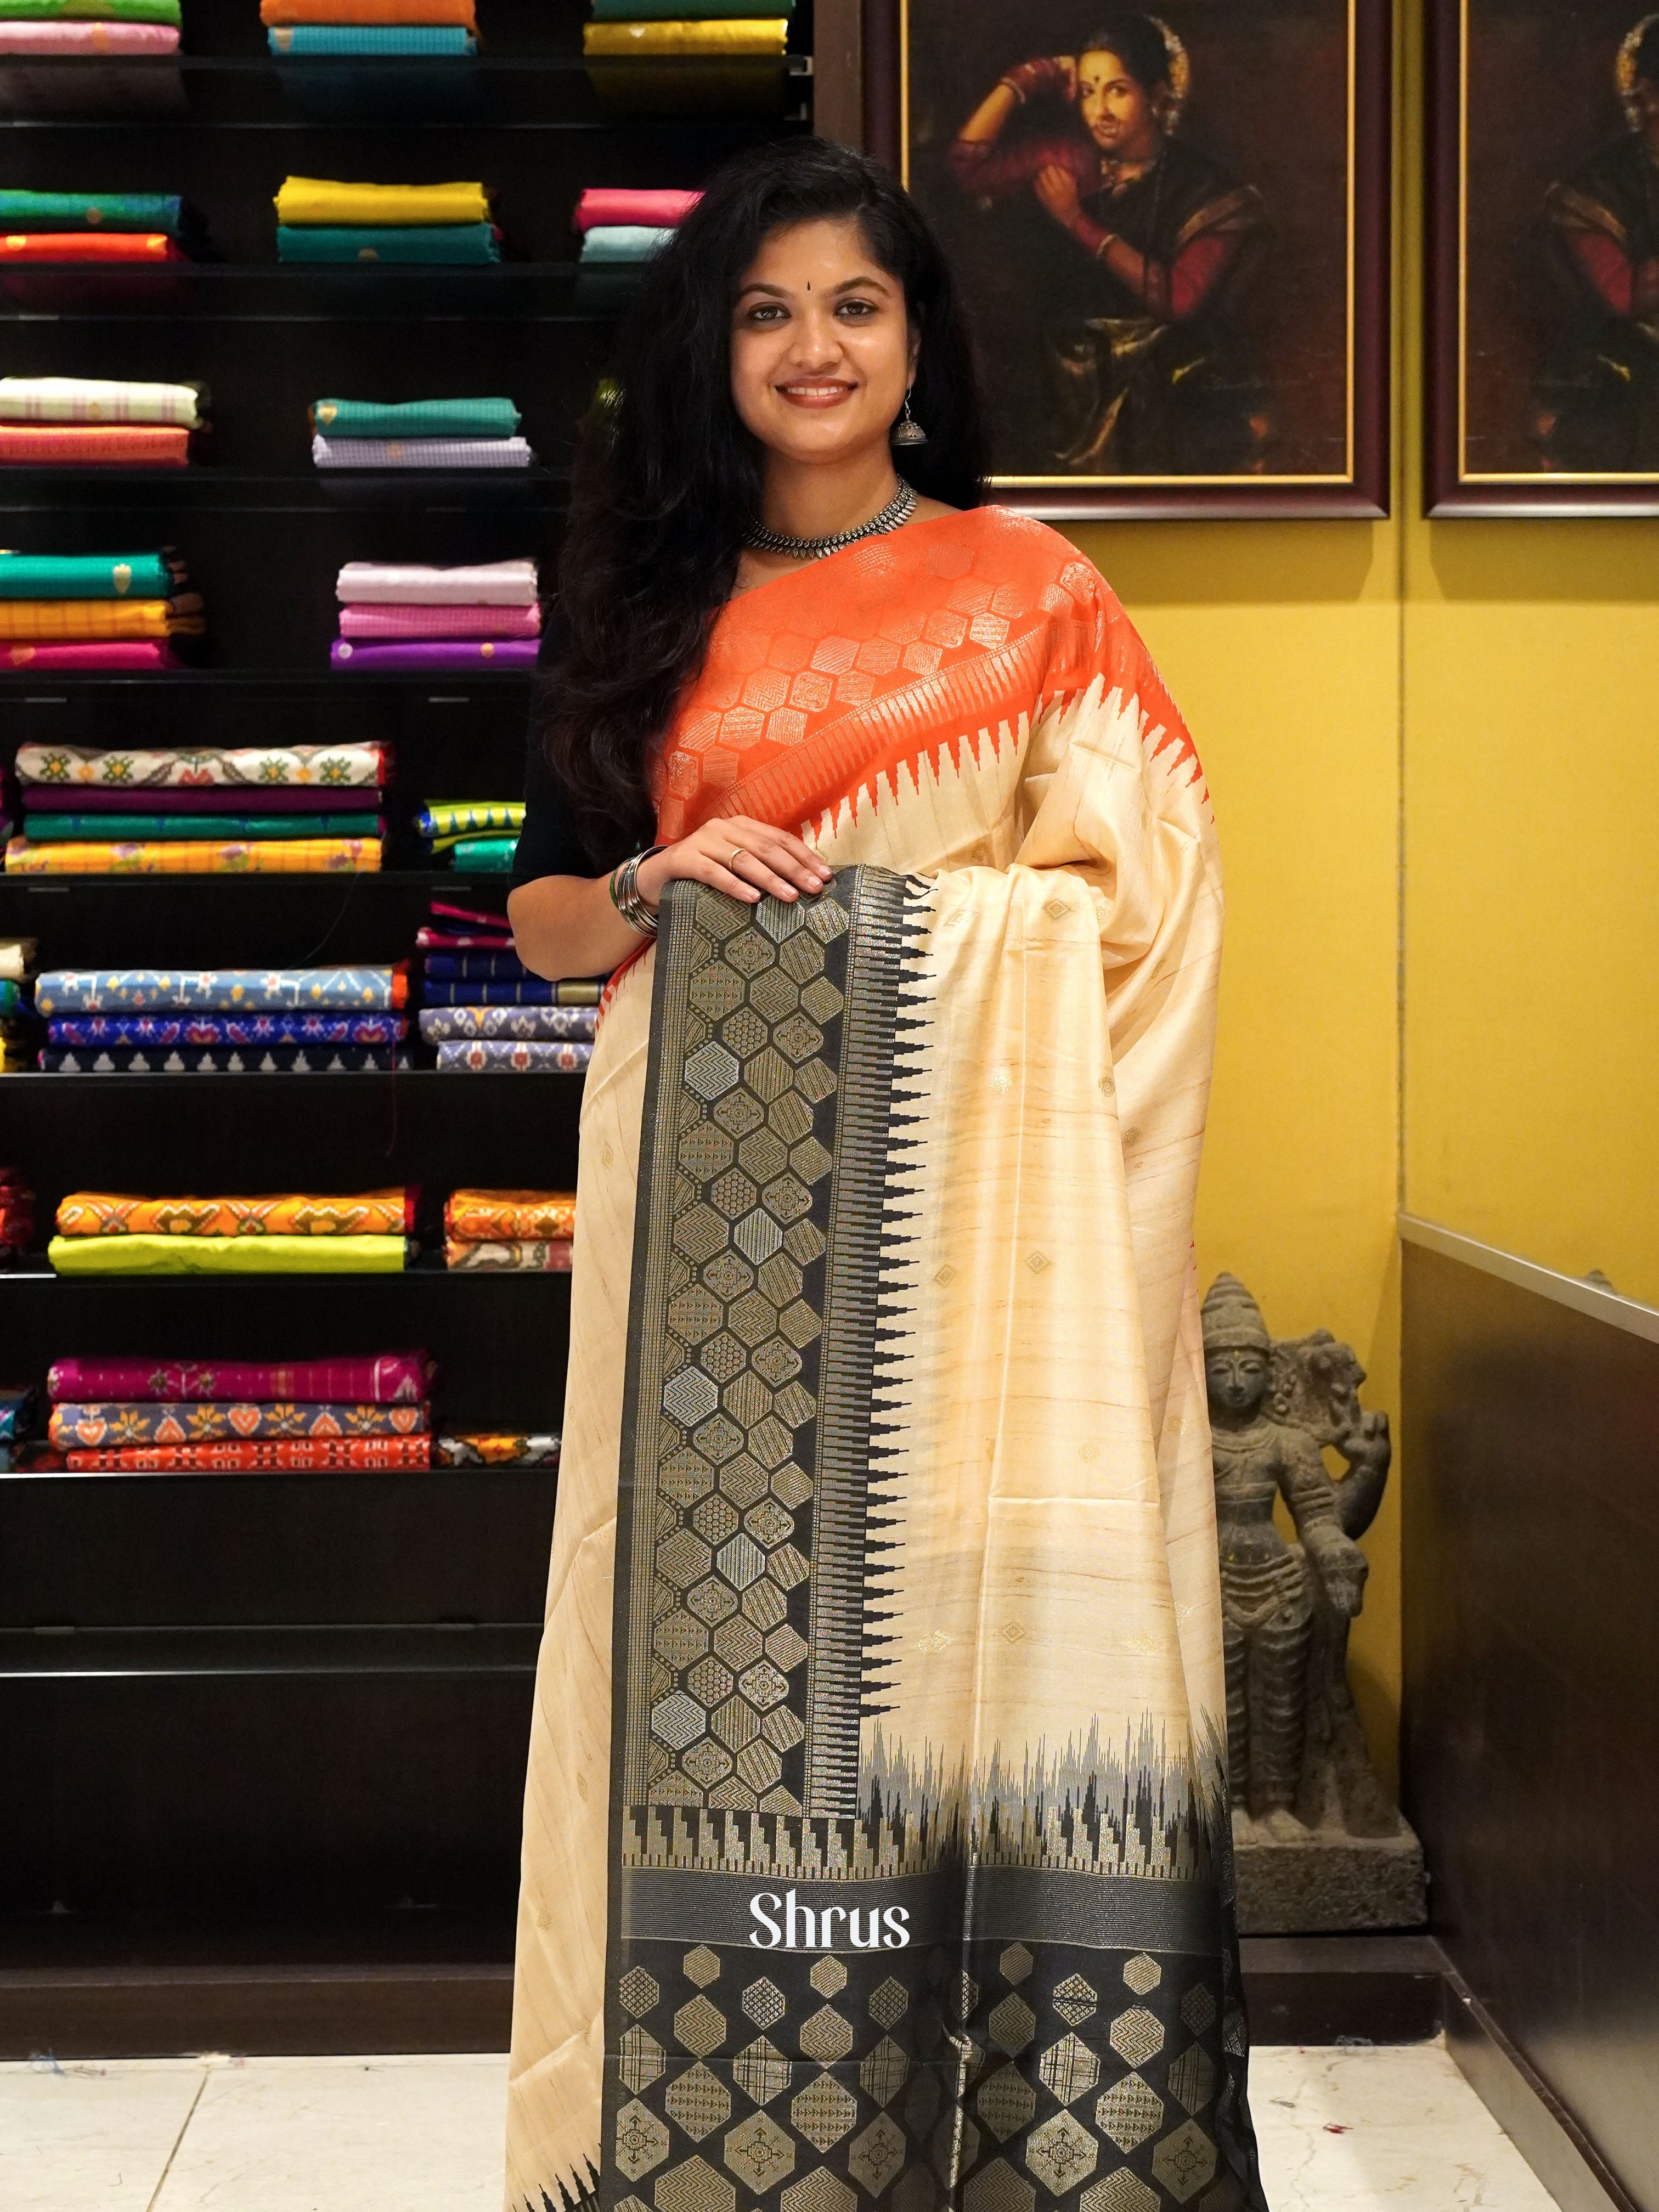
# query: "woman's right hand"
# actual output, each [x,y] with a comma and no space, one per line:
[1051,73]
[738,855]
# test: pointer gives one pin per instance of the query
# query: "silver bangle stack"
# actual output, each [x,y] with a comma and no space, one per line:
[625,893]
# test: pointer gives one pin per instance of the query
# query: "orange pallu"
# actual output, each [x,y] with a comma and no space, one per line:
[883,1624]
[293,1213]
[480,1217]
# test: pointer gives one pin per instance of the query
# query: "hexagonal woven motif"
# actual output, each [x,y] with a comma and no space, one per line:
[679,1639]
[700,2027]
[695,2187]
[638,1991]
[1121,2191]
[641,2141]
[1142,1973]
[764,2004]
[1075,1999]
[1069,2070]
[1130,2110]
[874,2157]
[640,2059]
[737,1642]
[889,2003]
[697,2101]
[821,2192]
[999,2189]
[677,1721]
[1012,2024]
[761,2071]
[1015,1964]
[826,2036]
[882,2075]
[829,1976]
[1197,2008]
[760,2152]
[1061,2153]
[1136,2035]
[1192,2078]
[1184,2161]
[823,2113]
[1006,2102]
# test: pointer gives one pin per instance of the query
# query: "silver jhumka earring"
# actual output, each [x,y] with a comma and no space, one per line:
[906,431]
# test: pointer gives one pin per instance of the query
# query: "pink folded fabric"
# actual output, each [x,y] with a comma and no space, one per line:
[100,659]
[436,656]
[88,39]
[604,203]
[213,799]
[389,1378]
[396,622]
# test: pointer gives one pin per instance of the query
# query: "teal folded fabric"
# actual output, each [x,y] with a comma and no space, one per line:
[678,11]
[86,577]
[117,829]
[12,1000]
[442,39]
[30,211]
[472,242]
[493,855]
[622,241]
[415,418]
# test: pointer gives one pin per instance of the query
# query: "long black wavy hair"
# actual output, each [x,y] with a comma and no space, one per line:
[667,478]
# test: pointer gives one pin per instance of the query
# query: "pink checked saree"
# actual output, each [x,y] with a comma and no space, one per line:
[876,1844]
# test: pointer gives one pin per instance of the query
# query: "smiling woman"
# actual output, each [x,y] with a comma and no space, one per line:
[884,1629]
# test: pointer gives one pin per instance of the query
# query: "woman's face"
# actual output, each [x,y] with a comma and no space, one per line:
[821,348]
[1118,111]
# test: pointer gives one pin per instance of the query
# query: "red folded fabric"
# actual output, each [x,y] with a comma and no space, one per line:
[88,245]
[101,658]
[63,444]
[315,1457]
[653,211]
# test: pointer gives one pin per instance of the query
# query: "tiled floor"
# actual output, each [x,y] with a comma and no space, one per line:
[1398,2130]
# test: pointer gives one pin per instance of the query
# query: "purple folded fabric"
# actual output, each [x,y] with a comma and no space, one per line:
[217,799]
[413,660]
[226,1029]
[392,1378]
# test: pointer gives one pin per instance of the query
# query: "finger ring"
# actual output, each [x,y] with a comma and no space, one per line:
[735,855]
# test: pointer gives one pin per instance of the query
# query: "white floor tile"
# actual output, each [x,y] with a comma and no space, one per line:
[335,2134]
[1389,2129]
[90,2135]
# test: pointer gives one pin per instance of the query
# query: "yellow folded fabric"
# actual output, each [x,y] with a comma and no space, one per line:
[100,619]
[762,34]
[314,200]
[449,12]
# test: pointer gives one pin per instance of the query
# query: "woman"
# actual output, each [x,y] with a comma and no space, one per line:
[1150,378]
[876,1830]
[1599,403]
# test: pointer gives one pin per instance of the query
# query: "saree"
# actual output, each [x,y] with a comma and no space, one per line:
[91,399]
[270,768]
[388,1378]
[227,1255]
[482,419]
[285,856]
[876,1823]
[478,1216]
[115,1426]
[290,1214]
[321,1456]
[303,201]
[219,990]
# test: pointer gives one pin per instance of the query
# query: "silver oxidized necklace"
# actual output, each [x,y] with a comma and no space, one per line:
[897,512]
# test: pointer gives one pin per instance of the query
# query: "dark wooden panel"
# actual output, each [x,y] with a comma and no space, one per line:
[1531,1726]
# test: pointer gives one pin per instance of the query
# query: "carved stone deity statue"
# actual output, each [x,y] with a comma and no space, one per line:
[1317,1844]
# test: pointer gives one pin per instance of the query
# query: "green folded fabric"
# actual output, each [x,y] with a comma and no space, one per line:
[415,418]
[488,854]
[227,1255]
[12,1000]
[117,829]
[689,11]
[448,241]
[91,11]
[32,211]
[86,577]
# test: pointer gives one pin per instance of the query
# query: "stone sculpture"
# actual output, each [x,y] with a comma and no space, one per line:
[1317,1844]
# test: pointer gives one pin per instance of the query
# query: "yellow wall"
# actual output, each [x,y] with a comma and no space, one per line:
[1432,751]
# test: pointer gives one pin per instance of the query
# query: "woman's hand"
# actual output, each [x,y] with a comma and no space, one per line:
[1055,74]
[1056,187]
[740,856]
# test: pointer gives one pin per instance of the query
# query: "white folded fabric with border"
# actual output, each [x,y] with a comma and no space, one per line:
[421,452]
[491,584]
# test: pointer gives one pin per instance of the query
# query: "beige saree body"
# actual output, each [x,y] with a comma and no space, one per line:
[876,1840]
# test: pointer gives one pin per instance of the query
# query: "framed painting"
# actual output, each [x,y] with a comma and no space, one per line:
[1543,337]
[1171,231]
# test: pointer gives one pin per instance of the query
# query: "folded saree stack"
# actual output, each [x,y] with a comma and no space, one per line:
[292,1233]
[263,810]
[58,421]
[90,30]
[620,226]
[526,1232]
[371,30]
[420,433]
[101,613]
[93,227]
[400,620]
[125,1416]
[486,1013]
[238,1021]
[17,1024]
[320,220]
[480,833]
